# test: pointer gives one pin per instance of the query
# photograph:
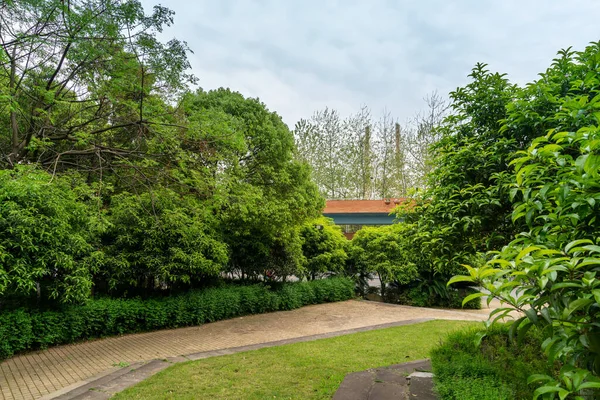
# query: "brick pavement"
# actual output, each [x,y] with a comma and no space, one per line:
[39,374]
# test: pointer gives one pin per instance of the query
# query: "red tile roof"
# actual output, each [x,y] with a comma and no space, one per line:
[361,206]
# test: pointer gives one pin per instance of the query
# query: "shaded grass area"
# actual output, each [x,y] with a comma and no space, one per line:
[496,370]
[310,370]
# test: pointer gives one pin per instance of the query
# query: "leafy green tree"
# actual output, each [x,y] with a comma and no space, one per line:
[324,248]
[46,237]
[80,77]
[262,194]
[466,209]
[550,271]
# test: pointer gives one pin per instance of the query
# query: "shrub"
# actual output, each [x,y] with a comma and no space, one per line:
[22,330]
[385,251]
[550,272]
[493,369]
[44,237]
[160,238]
[323,247]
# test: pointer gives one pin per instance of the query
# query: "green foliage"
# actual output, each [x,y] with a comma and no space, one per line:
[431,294]
[324,248]
[96,96]
[465,209]
[395,254]
[45,237]
[262,193]
[160,238]
[550,272]
[22,330]
[191,184]
[386,252]
[467,367]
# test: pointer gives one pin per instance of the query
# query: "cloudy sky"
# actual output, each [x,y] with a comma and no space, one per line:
[299,56]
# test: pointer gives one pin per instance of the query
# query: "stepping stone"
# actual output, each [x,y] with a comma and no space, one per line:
[355,386]
[419,374]
[421,388]
[388,391]
[396,382]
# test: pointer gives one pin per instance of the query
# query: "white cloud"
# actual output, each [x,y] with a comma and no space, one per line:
[300,56]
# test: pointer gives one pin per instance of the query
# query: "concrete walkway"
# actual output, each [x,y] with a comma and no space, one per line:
[51,372]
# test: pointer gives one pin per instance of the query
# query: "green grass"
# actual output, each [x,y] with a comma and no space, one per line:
[496,370]
[310,370]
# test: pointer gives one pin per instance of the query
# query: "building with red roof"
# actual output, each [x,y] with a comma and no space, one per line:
[354,213]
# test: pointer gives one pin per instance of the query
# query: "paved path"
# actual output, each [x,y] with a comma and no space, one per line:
[39,374]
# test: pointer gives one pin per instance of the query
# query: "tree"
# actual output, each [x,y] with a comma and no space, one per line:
[390,155]
[80,78]
[465,208]
[385,251]
[323,142]
[423,134]
[262,194]
[359,158]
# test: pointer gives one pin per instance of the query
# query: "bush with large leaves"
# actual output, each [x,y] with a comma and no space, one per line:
[550,272]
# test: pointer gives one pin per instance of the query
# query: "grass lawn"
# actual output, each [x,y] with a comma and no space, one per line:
[310,370]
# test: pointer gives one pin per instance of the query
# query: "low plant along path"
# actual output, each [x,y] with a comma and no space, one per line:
[40,374]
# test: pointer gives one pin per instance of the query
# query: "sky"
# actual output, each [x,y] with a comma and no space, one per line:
[300,56]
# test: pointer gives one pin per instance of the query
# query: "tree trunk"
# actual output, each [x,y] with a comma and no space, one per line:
[14,126]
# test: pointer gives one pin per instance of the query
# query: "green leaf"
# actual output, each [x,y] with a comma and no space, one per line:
[592,248]
[544,390]
[535,378]
[592,164]
[460,278]
[472,297]
[576,243]
[589,385]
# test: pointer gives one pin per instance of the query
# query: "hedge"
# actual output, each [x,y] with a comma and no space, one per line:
[22,329]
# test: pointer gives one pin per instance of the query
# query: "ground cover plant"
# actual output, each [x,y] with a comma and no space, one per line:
[495,369]
[311,370]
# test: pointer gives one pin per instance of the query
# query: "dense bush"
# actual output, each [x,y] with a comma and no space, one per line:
[496,369]
[45,237]
[324,248]
[22,329]
[159,238]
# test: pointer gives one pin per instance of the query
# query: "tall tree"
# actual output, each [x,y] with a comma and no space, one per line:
[359,158]
[262,194]
[423,133]
[80,78]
